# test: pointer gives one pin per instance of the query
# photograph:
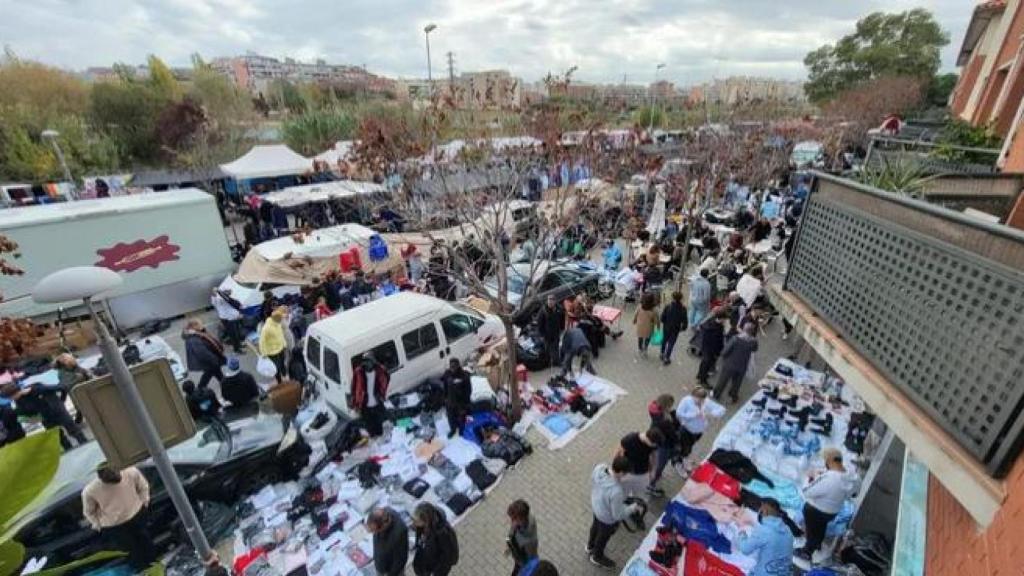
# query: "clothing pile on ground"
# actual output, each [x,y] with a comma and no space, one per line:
[563,408]
[316,525]
[766,450]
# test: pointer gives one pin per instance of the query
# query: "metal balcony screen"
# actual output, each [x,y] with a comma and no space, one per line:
[943,324]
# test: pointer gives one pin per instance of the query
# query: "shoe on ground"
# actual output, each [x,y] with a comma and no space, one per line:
[803,555]
[666,361]
[655,492]
[602,561]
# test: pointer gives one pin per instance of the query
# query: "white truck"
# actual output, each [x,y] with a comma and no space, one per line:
[169,247]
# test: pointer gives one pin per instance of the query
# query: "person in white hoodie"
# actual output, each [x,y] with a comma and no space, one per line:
[824,496]
[608,501]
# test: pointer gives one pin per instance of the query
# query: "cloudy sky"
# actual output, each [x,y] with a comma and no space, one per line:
[606,39]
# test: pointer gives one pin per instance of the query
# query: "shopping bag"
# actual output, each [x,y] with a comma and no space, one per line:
[266,368]
[658,337]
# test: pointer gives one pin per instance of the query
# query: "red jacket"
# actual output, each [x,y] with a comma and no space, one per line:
[358,398]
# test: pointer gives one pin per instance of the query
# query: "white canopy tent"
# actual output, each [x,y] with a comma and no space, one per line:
[267,162]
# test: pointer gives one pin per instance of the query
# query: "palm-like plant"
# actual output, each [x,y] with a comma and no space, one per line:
[899,175]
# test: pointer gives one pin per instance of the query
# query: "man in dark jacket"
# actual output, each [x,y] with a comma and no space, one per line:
[735,358]
[45,402]
[390,541]
[201,402]
[575,343]
[551,322]
[370,381]
[10,428]
[458,394]
[673,321]
[203,353]
[238,386]
[712,340]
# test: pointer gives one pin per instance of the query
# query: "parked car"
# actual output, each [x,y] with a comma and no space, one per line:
[549,279]
[221,464]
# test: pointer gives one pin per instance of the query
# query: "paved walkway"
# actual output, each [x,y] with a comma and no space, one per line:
[557,483]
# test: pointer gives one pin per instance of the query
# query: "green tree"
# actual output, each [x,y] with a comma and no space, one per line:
[162,80]
[940,88]
[903,44]
[317,130]
[127,112]
[285,96]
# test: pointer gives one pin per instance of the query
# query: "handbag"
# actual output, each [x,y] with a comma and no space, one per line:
[658,337]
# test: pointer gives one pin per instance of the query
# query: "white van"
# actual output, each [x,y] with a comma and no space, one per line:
[412,335]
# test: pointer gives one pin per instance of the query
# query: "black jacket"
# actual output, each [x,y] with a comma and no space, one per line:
[551,322]
[436,552]
[10,428]
[391,547]
[673,319]
[202,403]
[458,387]
[712,338]
[239,389]
[201,354]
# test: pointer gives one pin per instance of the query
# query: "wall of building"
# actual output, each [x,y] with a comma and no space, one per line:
[966,86]
[956,546]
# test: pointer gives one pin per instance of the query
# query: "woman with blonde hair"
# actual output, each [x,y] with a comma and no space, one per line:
[824,496]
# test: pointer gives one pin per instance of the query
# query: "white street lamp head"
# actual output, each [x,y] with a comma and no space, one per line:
[50,133]
[430,28]
[76,283]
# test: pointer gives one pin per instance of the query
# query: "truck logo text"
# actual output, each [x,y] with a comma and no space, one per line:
[141,253]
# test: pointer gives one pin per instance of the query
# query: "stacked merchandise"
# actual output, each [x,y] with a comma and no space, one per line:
[315,525]
[766,450]
[563,408]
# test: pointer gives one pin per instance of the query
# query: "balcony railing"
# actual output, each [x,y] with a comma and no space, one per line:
[933,299]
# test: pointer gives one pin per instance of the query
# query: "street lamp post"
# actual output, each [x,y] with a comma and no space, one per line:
[650,112]
[430,75]
[52,135]
[85,283]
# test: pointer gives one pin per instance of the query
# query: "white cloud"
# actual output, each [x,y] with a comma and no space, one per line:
[606,39]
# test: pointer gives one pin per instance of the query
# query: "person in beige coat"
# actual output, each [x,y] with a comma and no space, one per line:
[646,320]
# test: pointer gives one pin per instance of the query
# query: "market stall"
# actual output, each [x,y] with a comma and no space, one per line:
[767,449]
[316,524]
[562,409]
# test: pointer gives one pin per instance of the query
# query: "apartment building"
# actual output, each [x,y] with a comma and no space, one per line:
[255,72]
[990,90]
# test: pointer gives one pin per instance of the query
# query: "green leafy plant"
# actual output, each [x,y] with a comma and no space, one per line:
[897,175]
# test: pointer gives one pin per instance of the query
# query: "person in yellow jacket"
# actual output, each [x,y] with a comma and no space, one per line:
[273,344]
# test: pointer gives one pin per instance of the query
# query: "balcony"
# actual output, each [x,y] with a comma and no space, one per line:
[921,310]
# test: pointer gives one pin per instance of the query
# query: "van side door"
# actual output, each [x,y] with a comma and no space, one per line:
[424,355]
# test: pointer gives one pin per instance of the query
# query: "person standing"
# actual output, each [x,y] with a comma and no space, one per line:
[700,297]
[203,353]
[390,541]
[824,496]
[646,320]
[771,542]
[608,503]
[437,546]
[735,359]
[640,449]
[712,340]
[321,311]
[69,373]
[692,414]
[114,503]
[370,381]
[273,343]
[268,305]
[458,396]
[238,387]
[673,321]
[229,311]
[664,420]
[522,542]
[551,321]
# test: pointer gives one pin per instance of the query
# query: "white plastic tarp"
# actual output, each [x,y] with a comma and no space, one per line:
[268,162]
[342,150]
[321,192]
[657,221]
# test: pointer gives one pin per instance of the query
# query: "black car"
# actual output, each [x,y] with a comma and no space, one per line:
[562,281]
[220,464]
